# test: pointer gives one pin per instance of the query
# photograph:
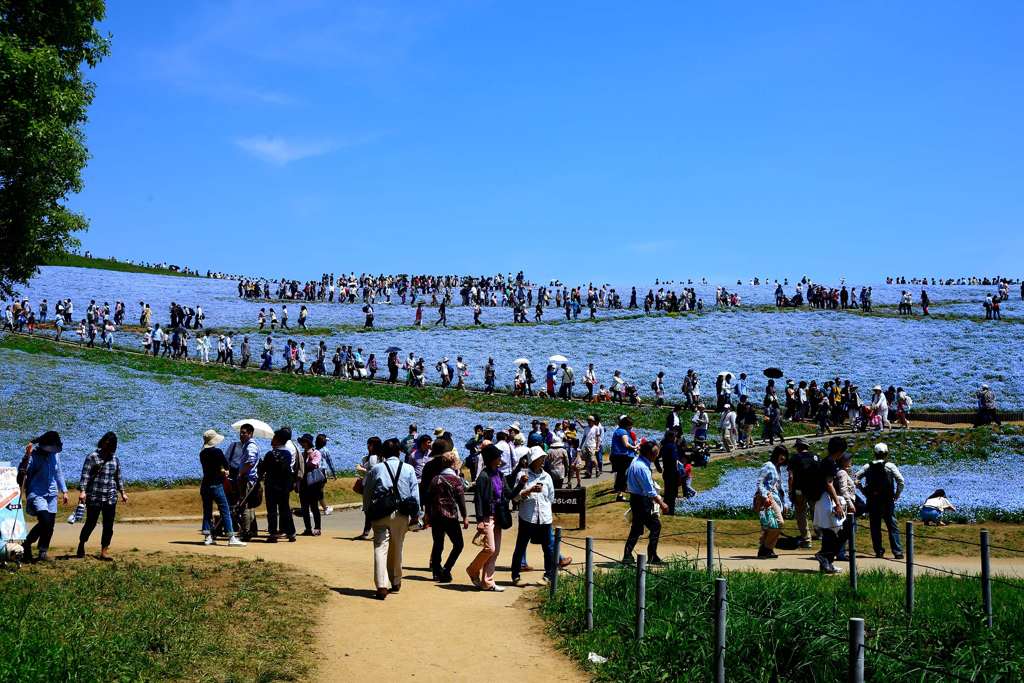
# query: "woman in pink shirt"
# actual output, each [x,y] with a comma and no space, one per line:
[311,485]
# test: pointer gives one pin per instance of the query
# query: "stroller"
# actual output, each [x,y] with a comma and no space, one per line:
[701,451]
[251,499]
[631,394]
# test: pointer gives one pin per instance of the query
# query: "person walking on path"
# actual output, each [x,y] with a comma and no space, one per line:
[882,484]
[645,504]
[311,485]
[622,453]
[492,516]
[830,508]
[769,501]
[278,476]
[43,479]
[211,488]
[671,461]
[802,468]
[391,497]
[445,511]
[100,486]
[727,427]
[535,493]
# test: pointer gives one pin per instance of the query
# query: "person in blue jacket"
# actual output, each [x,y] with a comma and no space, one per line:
[44,481]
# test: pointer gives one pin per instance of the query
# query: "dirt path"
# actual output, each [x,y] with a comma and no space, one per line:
[428,632]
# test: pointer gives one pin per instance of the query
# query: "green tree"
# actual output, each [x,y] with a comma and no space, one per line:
[44,45]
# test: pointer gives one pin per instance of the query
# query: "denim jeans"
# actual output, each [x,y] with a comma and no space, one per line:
[877,512]
[215,493]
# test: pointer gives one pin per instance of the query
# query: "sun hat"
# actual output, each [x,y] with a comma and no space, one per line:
[881,449]
[306,437]
[515,426]
[438,431]
[536,453]
[877,387]
[519,440]
[211,438]
[49,442]
[490,453]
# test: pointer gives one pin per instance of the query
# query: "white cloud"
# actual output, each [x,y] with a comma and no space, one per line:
[281,151]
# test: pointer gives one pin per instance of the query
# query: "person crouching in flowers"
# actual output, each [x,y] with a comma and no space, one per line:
[100,486]
[934,506]
[211,488]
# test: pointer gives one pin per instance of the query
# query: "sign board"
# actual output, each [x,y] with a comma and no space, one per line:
[571,502]
[12,519]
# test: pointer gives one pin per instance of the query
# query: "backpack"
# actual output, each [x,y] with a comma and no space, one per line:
[386,500]
[878,482]
[654,385]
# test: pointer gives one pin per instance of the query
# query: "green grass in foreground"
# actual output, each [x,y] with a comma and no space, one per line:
[78,261]
[155,617]
[789,626]
[645,416]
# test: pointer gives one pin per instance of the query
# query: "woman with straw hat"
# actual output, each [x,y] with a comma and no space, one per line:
[211,488]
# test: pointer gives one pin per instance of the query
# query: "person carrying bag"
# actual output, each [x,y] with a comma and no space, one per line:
[391,499]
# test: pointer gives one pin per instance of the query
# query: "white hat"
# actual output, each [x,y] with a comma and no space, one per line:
[211,438]
[984,386]
[727,406]
[877,387]
[881,449]
[536,453]
[515,426]
[519,440]
[556,440]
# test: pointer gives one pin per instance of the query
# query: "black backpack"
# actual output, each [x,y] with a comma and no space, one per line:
[878,482]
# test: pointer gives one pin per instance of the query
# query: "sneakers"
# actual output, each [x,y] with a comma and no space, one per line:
[209,540]
[474,579]
[898,556]
[628,559]
[565,562]
[805,544]
[80,553]
[234,542]
[328,510]
[446,577]
[494,589]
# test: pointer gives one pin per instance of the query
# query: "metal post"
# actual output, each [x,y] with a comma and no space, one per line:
[852,552]
[986,579]
[711,546]
[557,550]
[910,568]
[641,594]
[855,669]
[720,609]
[590,583]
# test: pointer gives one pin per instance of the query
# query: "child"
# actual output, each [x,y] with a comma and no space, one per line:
[934,506]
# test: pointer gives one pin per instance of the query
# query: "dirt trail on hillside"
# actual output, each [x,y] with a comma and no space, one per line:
[427,632]
[447,632]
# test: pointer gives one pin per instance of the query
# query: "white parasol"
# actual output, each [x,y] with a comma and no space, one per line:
[558,358]
[519,361]
[261,430]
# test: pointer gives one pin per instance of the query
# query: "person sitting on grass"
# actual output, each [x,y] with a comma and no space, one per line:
[934,506]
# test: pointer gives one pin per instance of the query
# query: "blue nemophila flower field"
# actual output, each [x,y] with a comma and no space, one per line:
[159,419]
[941,362]
[979,487]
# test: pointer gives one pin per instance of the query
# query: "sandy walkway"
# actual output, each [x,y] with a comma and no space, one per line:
[427,632]
[433,632]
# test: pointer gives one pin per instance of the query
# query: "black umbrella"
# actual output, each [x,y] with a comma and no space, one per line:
[773,373]
[395,349]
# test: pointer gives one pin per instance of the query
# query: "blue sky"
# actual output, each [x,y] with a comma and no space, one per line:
[581,140]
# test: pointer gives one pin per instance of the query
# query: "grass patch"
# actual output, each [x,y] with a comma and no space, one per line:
[155,617]
[77,261]
[644,416]
[788,626]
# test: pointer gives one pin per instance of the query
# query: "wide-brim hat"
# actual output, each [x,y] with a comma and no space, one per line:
[49,442]
[211,438]
[537,453]
[438,431]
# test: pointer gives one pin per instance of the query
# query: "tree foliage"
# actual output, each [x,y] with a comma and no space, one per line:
[44,46]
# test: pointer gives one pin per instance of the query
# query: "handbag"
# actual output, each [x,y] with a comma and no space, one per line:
[502,515]
[315,478]
[358,486]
